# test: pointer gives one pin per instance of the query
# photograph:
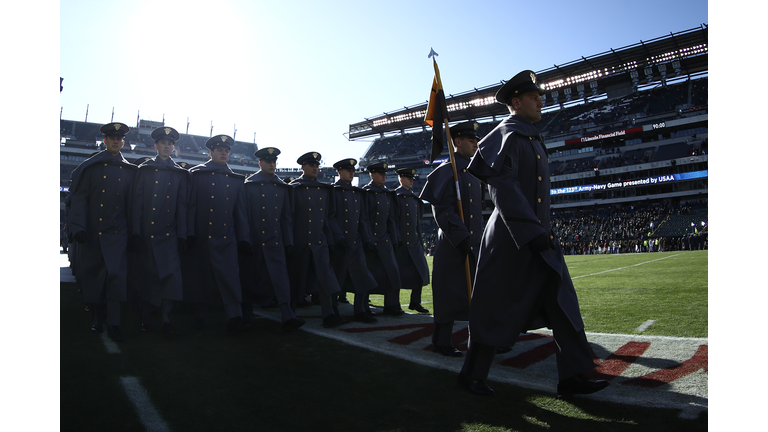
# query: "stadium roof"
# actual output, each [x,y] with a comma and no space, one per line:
[612,73]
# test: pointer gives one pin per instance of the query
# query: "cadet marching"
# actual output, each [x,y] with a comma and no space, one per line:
[155,233]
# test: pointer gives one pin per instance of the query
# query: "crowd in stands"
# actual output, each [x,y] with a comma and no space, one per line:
[632,228]
[408,146]
[629,228]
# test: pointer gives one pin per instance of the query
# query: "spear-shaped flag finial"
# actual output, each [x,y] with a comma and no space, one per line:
[432,53]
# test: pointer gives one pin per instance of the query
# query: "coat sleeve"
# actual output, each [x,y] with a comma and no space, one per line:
[334,224]
[129,199]
[242,227]
[392,223]
[137,201]
[420,214]
[191,206]
[508,196]
[446,213]
[79,203]
[331,226]
[286,221]
[364,224]
[182,196]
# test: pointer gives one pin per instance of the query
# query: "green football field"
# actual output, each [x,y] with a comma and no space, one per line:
[269,381]
[619,293]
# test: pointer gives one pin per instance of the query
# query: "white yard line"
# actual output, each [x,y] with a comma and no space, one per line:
[109,344]
[148,415]
[622,268]
[644,326]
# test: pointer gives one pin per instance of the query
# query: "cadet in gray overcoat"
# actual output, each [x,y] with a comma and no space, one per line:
[522,281]
[310,264]
[219,230]
[352,219]
[99,219]
[382,218]
[411,262]
[456,240]
[159,229]
[264,274]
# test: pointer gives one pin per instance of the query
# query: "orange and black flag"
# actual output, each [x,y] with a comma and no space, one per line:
[437,112]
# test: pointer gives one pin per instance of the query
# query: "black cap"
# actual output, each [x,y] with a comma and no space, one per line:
[165,132]
[523,82]
[380,167]
[309,157]
[219,141]
[184,165]
[267,153]
[406,172]
[289,179]
[345,164]
[115,129]
[465,129]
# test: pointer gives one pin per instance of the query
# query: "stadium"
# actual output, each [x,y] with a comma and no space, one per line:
[627,135]
[626,131]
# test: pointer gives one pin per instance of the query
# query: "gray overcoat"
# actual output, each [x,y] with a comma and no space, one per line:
[352,220]
[314,208]
[216,218]
[414,271]
[159,217]
[100,201]
[382,218]
[513,161]
[449,276]
[268,207]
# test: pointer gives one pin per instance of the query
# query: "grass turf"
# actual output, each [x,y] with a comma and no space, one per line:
[266,380]
[618,293]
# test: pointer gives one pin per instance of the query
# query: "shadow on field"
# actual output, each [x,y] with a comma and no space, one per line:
[266,380]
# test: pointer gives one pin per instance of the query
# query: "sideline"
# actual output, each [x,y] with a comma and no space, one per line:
[644,370]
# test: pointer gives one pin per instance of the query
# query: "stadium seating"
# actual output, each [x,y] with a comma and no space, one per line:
[689,220]
[623,229]
[579,120]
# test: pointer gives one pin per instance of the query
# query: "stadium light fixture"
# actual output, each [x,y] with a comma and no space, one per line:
[677,54]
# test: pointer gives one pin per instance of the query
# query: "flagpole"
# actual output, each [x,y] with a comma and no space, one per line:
[456,181]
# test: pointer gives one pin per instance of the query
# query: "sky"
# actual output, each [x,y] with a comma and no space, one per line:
[295,74]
